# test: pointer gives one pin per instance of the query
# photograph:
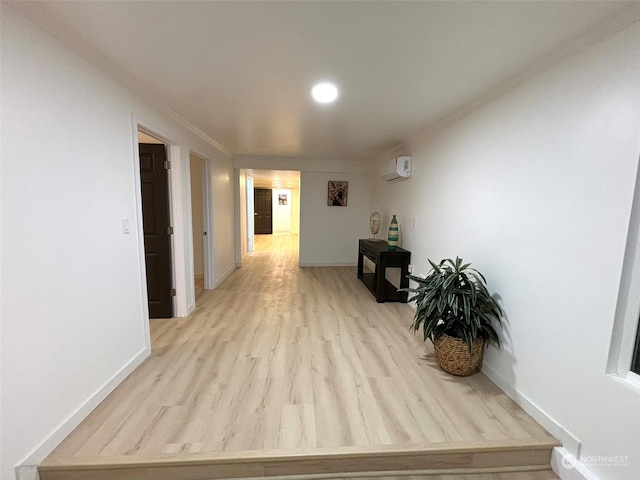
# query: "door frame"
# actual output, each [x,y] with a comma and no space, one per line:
[243,230]
[172,246]
[177,218]
[207,222]
[250,213]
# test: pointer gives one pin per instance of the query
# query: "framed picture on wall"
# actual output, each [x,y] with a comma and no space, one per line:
[337,193]
[282,199]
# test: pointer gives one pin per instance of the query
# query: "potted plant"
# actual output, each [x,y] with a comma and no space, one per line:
[457,313]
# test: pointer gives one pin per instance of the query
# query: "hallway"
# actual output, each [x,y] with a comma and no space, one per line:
[288,360]
[283,245]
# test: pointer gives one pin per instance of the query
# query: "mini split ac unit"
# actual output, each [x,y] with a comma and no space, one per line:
[399,167]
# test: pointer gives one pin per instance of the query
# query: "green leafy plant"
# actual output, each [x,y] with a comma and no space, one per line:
[453,300]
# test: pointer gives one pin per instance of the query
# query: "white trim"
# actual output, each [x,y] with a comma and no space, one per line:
[140,231]
[191,127]
[624,333]
[73,420]
[613,24]
[27,472]
[172,245]
[327,264]
[208,226]
[176,218]
[567,467]
[238,265]
[191,307]
[96,58]
[140,126]
[631,380]
[250,186]
[180,235]
[571,443]
[224,276]
[237,216]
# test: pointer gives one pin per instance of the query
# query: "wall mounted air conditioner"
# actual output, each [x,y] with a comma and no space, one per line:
[399,167]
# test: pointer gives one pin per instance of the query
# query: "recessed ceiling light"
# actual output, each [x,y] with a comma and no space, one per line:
[324,92]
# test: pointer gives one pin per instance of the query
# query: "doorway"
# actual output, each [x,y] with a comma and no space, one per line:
[262,211]
[154,184]
[285,211]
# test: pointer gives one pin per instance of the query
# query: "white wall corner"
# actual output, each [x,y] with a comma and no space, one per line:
[24,469]
[225,275]
[569,442]
[566,466]
[180,198]
[237,227]
[27,472]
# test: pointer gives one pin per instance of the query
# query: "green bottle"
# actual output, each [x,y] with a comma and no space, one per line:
[393,234]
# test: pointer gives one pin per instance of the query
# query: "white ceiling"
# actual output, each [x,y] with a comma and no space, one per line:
[241,71]
[275,178]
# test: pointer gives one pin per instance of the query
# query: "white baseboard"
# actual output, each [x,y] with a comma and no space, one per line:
[565,465]
[224,276]
[28,467]
[569,442]
[242,259]
[327,264]
[27,472]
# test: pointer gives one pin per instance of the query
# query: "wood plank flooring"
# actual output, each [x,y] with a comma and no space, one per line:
[281,361]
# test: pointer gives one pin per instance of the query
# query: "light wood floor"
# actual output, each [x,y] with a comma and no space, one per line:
[282,358]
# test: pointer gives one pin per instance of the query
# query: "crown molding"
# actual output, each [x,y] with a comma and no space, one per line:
[615,23]
[34,13]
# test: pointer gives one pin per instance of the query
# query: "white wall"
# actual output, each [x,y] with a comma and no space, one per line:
[295,211]
[536,190]
[329,235]
[195,168]
[243,213]
[73,316]
[223,217]
[281,213]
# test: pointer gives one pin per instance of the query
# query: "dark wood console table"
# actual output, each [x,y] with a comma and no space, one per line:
[379,253]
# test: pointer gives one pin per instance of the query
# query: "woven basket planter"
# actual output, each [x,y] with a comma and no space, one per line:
[453,356]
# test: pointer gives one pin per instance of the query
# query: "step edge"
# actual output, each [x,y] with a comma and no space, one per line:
[297,455]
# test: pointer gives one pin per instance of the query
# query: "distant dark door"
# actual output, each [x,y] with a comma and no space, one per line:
[155,219]
[262,210]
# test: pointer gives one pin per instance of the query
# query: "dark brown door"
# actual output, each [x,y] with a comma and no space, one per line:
[155,219]
[262,210]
